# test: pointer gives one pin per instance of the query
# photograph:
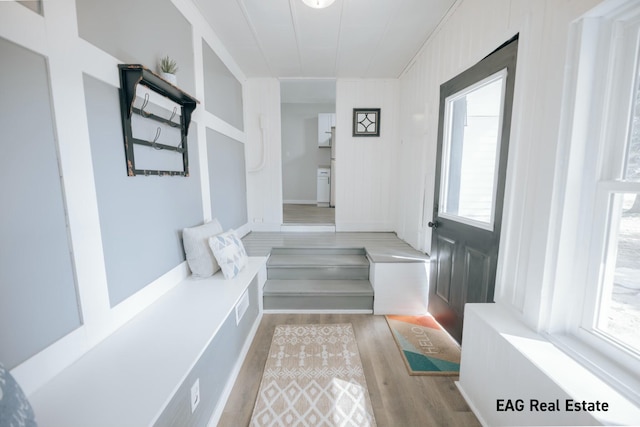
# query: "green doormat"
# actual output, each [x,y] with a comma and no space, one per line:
[426,348]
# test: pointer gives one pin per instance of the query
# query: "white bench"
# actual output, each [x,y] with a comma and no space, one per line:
[132,376]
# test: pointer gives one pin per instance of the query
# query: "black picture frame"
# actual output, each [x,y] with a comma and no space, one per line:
[366,122]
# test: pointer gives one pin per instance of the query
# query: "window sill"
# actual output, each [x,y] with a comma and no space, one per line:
[502,358]
[623,380]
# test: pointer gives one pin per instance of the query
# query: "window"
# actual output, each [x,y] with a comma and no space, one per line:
[602,201]
[614,311]
[471,147]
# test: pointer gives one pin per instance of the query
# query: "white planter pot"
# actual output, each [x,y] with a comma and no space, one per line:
[171,78]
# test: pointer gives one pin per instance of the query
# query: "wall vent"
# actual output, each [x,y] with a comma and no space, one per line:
[242,306]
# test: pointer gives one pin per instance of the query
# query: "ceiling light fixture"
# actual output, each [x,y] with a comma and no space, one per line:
[318,4]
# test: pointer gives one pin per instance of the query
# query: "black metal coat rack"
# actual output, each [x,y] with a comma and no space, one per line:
[131,75]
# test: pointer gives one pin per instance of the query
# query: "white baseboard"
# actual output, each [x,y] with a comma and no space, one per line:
[266,226]
[318,311]
[300,202]
[307,228]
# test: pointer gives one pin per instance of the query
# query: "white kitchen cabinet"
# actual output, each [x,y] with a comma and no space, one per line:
[324,186]
[325,122]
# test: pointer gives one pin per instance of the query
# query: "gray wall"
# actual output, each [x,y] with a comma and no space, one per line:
[140,32]
[227,179]
[38,303]
[141,217]
[301,155]
[223,92]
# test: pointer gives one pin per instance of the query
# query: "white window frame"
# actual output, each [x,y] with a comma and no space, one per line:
[596,125]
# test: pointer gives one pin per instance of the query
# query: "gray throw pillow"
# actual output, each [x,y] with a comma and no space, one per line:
[15,410]
[196,247]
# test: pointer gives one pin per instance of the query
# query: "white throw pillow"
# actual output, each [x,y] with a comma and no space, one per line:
[196,247]
[229,252]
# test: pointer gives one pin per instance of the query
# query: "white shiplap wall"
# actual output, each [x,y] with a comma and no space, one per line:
[365,166]
[470,32]
[263,153]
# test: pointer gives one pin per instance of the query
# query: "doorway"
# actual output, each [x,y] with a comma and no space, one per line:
[473,140]
[308,109]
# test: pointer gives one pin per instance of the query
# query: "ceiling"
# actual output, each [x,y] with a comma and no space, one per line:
[350,38]
[308,91]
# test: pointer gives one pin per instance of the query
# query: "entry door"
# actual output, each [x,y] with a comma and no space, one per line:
[473,140]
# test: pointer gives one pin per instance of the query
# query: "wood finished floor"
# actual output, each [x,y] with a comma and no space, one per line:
[308,214]
[398,399]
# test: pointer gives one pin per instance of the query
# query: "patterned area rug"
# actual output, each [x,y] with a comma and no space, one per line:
[313,377]
[427,349]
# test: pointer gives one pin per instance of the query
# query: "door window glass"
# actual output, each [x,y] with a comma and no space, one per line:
[471,150]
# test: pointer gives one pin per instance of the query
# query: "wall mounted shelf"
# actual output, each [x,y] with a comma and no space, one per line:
[132,75]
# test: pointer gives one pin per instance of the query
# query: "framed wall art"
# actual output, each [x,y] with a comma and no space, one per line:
[366,122]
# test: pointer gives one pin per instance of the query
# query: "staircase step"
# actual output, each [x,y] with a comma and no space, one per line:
[318,278]
[318,287]
[318,266]
[317,260]
[326,272]
[318,303]
[318,295]
[309,250]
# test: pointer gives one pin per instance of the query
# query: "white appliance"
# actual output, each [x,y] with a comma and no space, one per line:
[324,186]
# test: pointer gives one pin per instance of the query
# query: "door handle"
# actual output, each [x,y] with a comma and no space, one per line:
[433,224]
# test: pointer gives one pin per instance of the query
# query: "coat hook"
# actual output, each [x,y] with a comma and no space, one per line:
[180,148]
[171,123]
[144,104]
[155,140]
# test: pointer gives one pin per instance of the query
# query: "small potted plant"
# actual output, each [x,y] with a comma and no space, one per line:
[168,69]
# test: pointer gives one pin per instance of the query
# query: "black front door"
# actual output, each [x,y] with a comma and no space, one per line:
[473,140]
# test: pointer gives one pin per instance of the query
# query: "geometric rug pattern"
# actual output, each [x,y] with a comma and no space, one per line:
[313,377]
[427,349]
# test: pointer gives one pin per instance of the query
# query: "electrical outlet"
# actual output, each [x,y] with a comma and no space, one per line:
[195,395]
